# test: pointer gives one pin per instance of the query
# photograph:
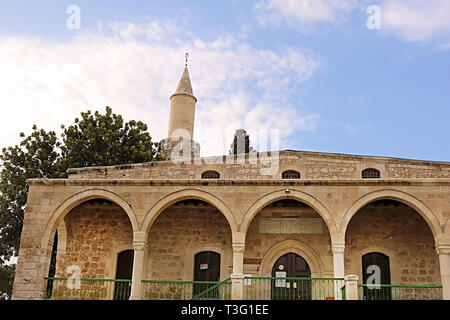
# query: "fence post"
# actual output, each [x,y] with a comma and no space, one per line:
[351,287]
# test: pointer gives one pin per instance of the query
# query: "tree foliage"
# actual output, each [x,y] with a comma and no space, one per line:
[102,140]
[35,157]
[241,143]
[6,280]
[95,139]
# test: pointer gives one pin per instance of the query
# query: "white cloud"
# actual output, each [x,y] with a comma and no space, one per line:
[416,20]
[135,68]
[304,14]
[412,20]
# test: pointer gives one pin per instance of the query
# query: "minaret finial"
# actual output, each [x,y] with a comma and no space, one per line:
[186,56]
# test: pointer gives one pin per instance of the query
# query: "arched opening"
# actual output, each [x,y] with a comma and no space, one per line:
[96,230]
[179,233]
[124,271]
[286,221]
[397,231]
[291,265]
[206,268]
[376,270]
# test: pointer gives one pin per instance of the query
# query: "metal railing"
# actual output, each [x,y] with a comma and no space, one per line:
[186,290]
[271,288]
[399,292]
[87,289]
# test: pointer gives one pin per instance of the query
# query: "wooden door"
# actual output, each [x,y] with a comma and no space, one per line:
[206,268]
[291,265]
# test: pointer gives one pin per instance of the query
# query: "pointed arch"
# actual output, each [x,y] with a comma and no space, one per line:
[294,246]
[64,208]
[177,196]
[392,194]
[300,196]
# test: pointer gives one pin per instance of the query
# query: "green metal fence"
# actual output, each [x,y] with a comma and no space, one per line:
[186,290]
[255,288]
[399,292]
[87,289]
[270,288]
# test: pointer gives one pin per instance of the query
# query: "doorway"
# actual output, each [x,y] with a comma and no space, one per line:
[291,265]
[124,271]
[375,268]
[206,269]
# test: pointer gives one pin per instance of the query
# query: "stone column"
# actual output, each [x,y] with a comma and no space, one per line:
[338,259]
[339,268]
[237,277]
[351,287]
[444,264]
[139,262]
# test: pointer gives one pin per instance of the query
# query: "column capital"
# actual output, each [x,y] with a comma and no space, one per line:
[139,246]
[238,247]
[338,248]
[442,249]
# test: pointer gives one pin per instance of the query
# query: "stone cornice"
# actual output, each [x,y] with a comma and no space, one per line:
[226,182]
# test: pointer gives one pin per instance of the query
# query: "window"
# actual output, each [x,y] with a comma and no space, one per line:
[290,174]
[371,174]
[210,175]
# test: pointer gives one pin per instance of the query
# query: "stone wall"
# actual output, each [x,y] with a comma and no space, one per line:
[97,231]
[179,233]
[311,165]
[258,244]
[399,170]
[399,232]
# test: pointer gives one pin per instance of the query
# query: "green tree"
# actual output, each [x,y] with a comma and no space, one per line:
[241,143]
[94,140]
[34,157]
[6,280]
[103,140]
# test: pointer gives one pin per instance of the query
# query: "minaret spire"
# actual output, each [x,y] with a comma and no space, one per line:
[185,86]
[181,119]
[182,107]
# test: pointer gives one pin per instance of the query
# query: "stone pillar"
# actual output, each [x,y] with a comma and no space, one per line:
[140,255]
[29,280]
[351,287]
[444,264]
[338,260]
[237,277]
[339,268]
[34,255]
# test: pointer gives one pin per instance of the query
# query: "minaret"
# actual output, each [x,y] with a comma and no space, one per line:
[180,137]
[182,107]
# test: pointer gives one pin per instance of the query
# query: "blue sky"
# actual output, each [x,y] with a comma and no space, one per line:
[310,69]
